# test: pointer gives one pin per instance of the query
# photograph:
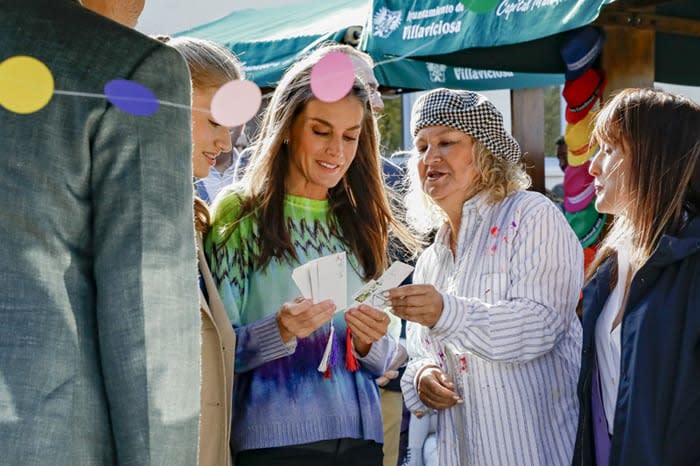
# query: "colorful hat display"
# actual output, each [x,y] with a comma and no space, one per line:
[587,224]
[582,93]
[580,50]
[578,187]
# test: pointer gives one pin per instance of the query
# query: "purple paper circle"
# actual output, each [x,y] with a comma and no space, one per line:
[332,77]
[235,102]
[131,97]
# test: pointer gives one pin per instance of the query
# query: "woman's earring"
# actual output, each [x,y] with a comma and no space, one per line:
[285,141]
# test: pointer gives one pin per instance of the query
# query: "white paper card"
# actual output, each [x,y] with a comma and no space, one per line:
[302,279]
[370,293]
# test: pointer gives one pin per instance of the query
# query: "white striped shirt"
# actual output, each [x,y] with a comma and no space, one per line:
[508,334]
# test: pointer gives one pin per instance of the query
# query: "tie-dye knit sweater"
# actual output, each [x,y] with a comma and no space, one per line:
[280,398]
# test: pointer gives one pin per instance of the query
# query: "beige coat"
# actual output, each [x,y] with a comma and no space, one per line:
[218,349]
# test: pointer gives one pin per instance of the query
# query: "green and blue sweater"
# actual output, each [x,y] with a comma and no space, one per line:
[280,398]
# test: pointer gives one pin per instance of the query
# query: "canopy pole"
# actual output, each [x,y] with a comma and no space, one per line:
[527,118]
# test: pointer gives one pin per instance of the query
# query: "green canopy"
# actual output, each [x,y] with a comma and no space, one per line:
[414,74]
[269,40]
[518,35]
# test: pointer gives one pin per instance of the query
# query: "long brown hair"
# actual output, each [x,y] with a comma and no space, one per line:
[660,133]
[360,213]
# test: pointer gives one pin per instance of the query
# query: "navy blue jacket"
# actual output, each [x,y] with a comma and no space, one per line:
[657,417]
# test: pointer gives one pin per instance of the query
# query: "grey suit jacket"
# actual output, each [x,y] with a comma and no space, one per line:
[99,314]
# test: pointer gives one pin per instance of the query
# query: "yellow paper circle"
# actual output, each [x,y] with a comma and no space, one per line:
[26,84]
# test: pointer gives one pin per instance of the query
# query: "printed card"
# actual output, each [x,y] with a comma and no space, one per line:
[370,293]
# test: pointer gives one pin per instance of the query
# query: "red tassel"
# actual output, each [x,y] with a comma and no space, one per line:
[350,359]
[327,373]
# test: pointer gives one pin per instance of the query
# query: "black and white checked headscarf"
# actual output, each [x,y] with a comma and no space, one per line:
[468,112]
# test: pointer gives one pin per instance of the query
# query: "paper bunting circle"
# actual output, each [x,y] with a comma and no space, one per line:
[131,97]
[235,102]
[332,77]
[26,84]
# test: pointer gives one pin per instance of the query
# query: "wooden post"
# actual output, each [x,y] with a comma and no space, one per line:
[527,113]
[628,58]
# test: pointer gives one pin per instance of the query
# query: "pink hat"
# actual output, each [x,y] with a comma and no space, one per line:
[578,187]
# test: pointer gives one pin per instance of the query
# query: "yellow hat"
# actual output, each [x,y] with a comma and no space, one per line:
[578,141]
[575,159]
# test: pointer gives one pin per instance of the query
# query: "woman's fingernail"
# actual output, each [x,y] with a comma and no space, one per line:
[460,401]
[386,294]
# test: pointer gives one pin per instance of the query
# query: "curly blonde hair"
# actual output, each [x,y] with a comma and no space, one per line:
[496,177]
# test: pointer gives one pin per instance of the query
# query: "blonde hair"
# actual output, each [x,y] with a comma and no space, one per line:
[496,177]
[210,64]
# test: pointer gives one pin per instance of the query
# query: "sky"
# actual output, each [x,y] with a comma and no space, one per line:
[171,16]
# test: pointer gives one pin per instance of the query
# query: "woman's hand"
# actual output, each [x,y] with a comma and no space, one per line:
[368,325]
[436,390]
[418,303]
[301,317]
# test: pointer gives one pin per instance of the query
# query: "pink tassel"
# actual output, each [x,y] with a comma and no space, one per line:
[350,359]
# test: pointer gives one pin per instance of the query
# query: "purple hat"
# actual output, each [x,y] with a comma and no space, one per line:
[580,50]
[578,187]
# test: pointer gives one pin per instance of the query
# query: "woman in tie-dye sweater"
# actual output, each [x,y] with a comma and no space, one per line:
[314,188]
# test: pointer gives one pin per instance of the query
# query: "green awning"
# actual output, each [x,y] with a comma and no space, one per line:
[517,35]
[269,40]
[419,75]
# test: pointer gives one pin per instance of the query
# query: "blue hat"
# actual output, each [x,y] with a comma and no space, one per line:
[580,50]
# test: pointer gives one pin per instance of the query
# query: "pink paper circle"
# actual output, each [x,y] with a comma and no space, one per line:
[235,102]
[332,77]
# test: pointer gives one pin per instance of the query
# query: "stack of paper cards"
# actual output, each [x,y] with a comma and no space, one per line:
[324,278]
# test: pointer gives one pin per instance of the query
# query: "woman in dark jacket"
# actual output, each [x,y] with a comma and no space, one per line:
[639,386]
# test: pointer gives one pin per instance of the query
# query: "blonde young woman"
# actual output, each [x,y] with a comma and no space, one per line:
[211,66]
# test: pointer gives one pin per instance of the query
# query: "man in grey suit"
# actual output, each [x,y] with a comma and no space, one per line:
[99,314]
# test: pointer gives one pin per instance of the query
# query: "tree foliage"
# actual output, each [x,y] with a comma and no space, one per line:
[390,126]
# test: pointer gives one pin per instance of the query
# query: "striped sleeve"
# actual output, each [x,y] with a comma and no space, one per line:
[418,356]
[546,267]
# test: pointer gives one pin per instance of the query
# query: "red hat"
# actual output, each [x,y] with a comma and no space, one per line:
[582,93]
[578,187]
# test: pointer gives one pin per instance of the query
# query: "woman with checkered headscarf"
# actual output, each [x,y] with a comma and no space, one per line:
[493,335]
